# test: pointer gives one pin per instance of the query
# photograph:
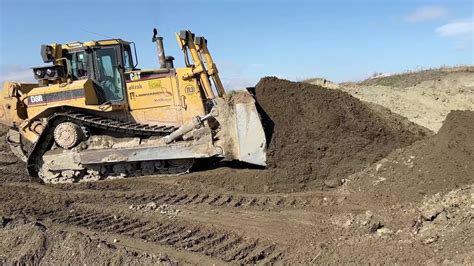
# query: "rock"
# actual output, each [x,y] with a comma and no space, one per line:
[332,183]
[441,218]
[430,240]
[374,227]
[384,231]
[115,240]
[378,167]
[151,206]
[430,212]
[365,219]
[347,223]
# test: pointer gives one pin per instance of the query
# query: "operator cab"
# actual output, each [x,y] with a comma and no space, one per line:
[104,62]
[105,65]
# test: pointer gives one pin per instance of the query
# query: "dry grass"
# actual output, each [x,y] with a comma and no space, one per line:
[412,78]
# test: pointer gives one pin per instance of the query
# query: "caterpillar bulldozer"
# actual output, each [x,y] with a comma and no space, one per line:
[92,114]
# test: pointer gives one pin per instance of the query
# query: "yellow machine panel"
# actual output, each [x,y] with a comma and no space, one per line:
[161,97]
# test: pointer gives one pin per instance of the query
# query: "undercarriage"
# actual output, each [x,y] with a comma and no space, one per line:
[77,147]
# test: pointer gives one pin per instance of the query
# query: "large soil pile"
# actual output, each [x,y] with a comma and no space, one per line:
[323,133]
[438,164]
[315,136]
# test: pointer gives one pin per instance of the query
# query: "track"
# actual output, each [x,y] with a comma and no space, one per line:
[37,167]
[127,128]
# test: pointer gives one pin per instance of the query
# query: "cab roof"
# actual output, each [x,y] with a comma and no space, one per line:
[72,45]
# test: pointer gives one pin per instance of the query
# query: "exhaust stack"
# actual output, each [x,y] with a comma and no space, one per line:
[159,48]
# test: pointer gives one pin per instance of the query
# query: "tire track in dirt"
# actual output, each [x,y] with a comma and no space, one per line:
[214,199]
[226,246]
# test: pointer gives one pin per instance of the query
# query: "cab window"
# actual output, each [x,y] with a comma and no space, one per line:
[127,59]
[108,74]
[77,65]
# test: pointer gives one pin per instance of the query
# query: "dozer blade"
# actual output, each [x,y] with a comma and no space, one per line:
[245,137]
[250,135]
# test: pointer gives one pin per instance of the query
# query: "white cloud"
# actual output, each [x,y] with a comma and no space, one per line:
[460,31]
[457,28]
[15,73]
[426,13]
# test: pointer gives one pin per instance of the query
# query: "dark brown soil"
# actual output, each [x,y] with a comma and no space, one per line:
[316,138]
[324,133]
[438,164]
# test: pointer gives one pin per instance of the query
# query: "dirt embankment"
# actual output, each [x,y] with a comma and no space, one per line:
[415,78]
[424,97]
[438,164]
[315,136]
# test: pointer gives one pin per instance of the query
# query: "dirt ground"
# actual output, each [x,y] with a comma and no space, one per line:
[348,182]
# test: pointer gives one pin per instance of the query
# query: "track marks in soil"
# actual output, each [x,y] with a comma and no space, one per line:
[222,245]
[216,200]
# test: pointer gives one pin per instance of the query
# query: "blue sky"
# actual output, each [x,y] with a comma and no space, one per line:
[338,40]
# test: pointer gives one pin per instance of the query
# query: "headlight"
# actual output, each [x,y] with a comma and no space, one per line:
[50,72]
[39,73]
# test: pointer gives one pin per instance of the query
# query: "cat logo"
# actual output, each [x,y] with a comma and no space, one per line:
[135,76]
[189,90]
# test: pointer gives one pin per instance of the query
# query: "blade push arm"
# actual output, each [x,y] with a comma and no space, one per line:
[197,47]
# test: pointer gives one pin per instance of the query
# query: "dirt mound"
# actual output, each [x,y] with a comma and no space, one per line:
[426,99]
[324,133]
[315,136]
[438,164]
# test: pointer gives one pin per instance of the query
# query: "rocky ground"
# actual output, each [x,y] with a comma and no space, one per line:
[348,182]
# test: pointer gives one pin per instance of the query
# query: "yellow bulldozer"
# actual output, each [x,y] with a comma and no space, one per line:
[94,115]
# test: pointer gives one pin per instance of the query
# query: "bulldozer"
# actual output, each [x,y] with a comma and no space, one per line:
[93,115]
